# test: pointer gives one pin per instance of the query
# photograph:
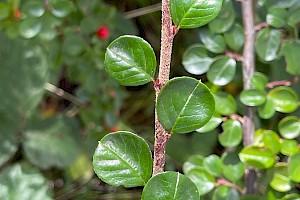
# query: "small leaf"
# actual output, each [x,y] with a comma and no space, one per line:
[170,186]
[294,18]
[213,164]
[294,167]
[232,163]
[281,181]
[225,19]
[225,193]
[270,140]
[235,37]
[194,162]
[123,158]
[232,133]
[289,127]
[4,10]
[184,104]
[289,147]
[213,42]
[73,45]
[130,60]
[276,17]
[61,8]
[202,179]
[267,44]
[290,51]
[194,13]
[213,123]
[267,110]
[260,158]
[285,99]
[259,81]
[30,27]
[253,97]
[225,103]
[291,197]
[34,8]
[222,71]
[196,60]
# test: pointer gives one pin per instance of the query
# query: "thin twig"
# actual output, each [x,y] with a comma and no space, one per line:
[229,184]
[283,82]
[63,94]
[235,56]
[261,26]
[142,11]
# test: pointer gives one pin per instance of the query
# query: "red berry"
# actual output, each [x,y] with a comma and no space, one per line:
[103,32]
[17,14]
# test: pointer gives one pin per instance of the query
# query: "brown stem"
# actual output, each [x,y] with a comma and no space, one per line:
[261,26]
[229,184]
[283,82]
[161,135]
[248,71]
[234,56]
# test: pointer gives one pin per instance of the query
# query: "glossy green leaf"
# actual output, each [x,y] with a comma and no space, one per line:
[170,186]
[194,162]
[130,60]
[267,44]
[260,158]
[270,140]
[281,181]
[285,99]
[225,103]
[213,42]
[290,51]
[184,104]
[253,97]
[30,27]
[267,110]
[232,163]
[225,19]
[225,193]
[123,158]
[34,8]
[289,147]
[235,37]
[4,10]
[291,197]
[232,133]
[289,127]
[213,123]
[276,17]
[73,45]
[294,167]
[196,60]
[202,179]
[21,181]
[222,71]
[61,8]
[52,142]
[194,13]
[213,164]
[294,18]
[259,81]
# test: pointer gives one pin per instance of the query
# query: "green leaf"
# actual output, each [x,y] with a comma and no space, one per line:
[291,197]
[184,104]
[4,11]
[289,147]
[61,8]
[30,27]
[253,97]
[294,167]
[130,60]
[213,123]
[222,71]
[225,193]
[276,17]
[270,140]
[225,103]
[289,127]
[194,162]
[259,81]
[260,158]
[267,110]
[21,181]
[294,18]
[73,45]
[235,37]
[34,8]
[52,142]
[285,99]
[196,60]
[232,163]
[267,44]
[232,133]
[224,21]
[290,51]
[202,179]
[213,42]
[281,181]
[123,158]
[170,186]
[194,13]
[213,164]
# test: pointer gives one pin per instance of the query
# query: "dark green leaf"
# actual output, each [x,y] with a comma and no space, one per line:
[123,158]
[34,8]
[61,8]
[30,27]
[290,51]
[232,133]
[213,123]
[213,164]
[289,127]
[130,60]
[294,18]
[184,104]
[194,13]
[253,97]
[222,71]
[267,110]
[202,179]
[235,37]
[260,158]
[225,193]
[196,60]
[213,42]
[73,45]
[225,103]
[259,81]
[276,17]
[238,170]
[170,186]
[294,167]
[289,147]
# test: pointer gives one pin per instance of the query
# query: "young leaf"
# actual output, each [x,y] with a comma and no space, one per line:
[213,164]
[281,181]
[123,158]
[184,104]
[289,127]
[294,167]
[130,60]
[260,158]
[289,147]
[290,51]
[225,193]
[259,81]
[232,133]
[225,103]
[194,13]
[253,97]
[194,162]
[170,186]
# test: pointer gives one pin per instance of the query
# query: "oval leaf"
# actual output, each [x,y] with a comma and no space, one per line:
[213,164]
[194,13]
[194,162]
[294,167]
[259,81]
[290,52]
[289,127]
[130,60]
[184,104]
[260,158]
[281,181]
[61,8]
[213,42]
[271,140]
[225,193]
[235,37]
[232,163]
[253,97]
[30,27]
[225,103]
[202,179]
[232,133]
[170,186]
[213,123]
[123,158]
[289,147]
[276,17]
[267,110]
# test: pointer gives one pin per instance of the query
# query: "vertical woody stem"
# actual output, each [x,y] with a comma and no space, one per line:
[161,135]
[248,71]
